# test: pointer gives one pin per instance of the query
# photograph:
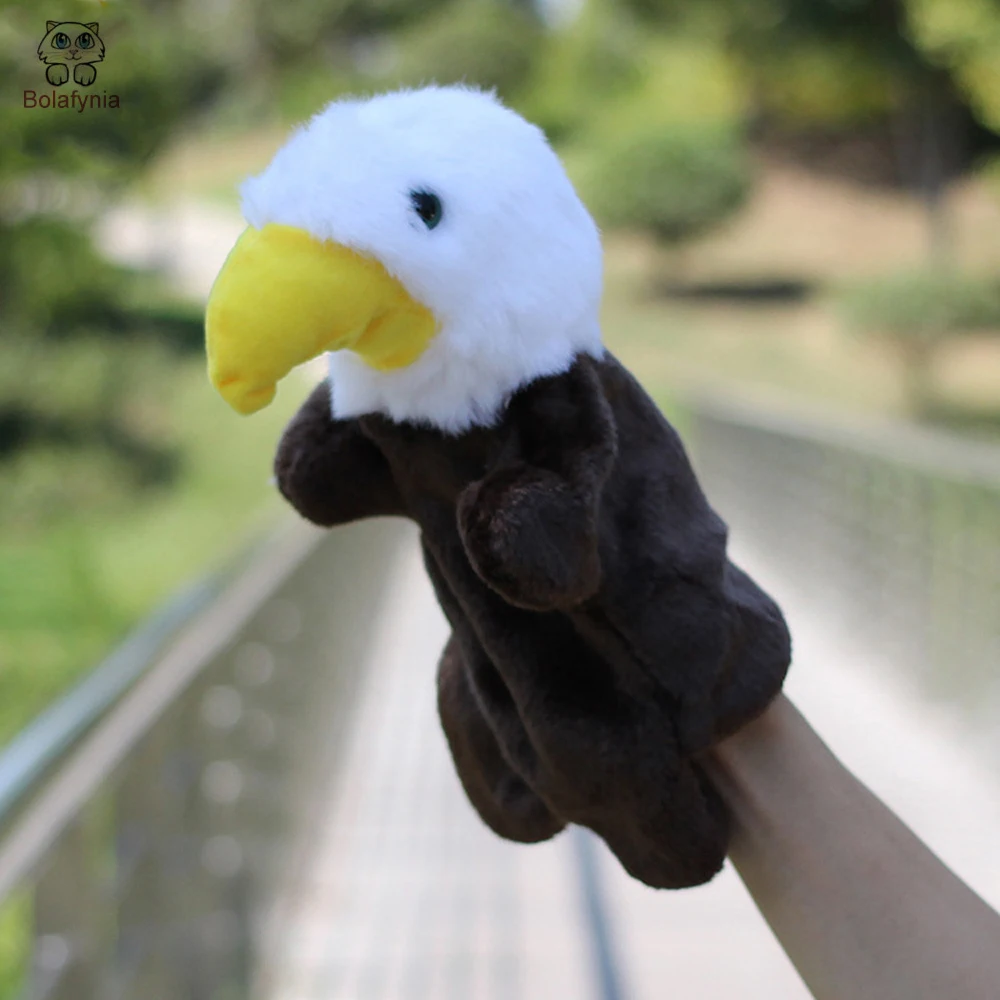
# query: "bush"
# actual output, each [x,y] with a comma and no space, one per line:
[675,182]
[916,312]
[924,305]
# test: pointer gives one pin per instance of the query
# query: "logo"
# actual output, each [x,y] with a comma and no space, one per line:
[71,47]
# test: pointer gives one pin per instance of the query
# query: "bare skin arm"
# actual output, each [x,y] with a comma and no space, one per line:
[862,908]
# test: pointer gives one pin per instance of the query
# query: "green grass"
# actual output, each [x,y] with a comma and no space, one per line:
[70,590]
[15,943]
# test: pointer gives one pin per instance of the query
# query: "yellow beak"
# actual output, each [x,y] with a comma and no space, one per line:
[283,297]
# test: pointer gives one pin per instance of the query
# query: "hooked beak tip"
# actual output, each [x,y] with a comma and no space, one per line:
[243,396]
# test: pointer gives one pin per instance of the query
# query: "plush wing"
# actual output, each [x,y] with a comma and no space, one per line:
[501,796]
[329,471]
[530,526]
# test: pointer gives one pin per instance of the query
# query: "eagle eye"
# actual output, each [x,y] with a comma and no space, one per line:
[428,206]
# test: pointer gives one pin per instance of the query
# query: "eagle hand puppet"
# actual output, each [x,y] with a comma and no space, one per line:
[430,242]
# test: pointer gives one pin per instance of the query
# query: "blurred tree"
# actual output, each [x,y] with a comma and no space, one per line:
[82,338]
[687,82]
[303,53]
[604,74]
[487,43]
[586,63]
[655,122]
[917,312]
[286,33]
[87,346]
[673,182]
[839,65]
[964,37]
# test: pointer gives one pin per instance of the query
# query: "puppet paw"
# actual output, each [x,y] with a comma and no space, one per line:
[329,471]
[530,538]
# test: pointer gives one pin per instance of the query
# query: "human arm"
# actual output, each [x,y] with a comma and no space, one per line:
[860,905]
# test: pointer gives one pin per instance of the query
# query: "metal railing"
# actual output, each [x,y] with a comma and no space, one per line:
[154,819]
[892,533]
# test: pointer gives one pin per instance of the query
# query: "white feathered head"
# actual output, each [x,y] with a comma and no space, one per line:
[430,240]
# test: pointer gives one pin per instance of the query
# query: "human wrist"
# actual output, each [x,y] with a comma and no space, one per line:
[739,765]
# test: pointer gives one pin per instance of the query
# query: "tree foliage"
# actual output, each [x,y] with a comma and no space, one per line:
[962,36]
[916,312]
[815,61]
[488,43]
[905,88]
[605,74]
[928,305]
[674,182]
[82,339]
[594,60]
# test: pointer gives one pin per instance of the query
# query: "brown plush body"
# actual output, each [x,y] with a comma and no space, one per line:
[601,639]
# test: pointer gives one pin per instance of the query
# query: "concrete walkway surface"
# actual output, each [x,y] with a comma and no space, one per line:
[409,896]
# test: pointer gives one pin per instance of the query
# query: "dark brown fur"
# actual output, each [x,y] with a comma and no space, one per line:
[602,640]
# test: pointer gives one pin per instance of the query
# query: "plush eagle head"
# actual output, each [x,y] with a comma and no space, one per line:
[430,240]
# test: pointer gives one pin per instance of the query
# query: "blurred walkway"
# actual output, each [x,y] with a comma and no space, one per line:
[187,241]
[410,896]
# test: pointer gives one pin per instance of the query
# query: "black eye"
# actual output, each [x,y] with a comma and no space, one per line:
[60,40]
[428,207]
[86,40]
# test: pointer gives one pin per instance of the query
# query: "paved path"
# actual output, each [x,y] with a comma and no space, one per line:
[187,241]
[411,897]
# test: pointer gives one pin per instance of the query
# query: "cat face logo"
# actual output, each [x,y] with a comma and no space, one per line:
[69,45]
